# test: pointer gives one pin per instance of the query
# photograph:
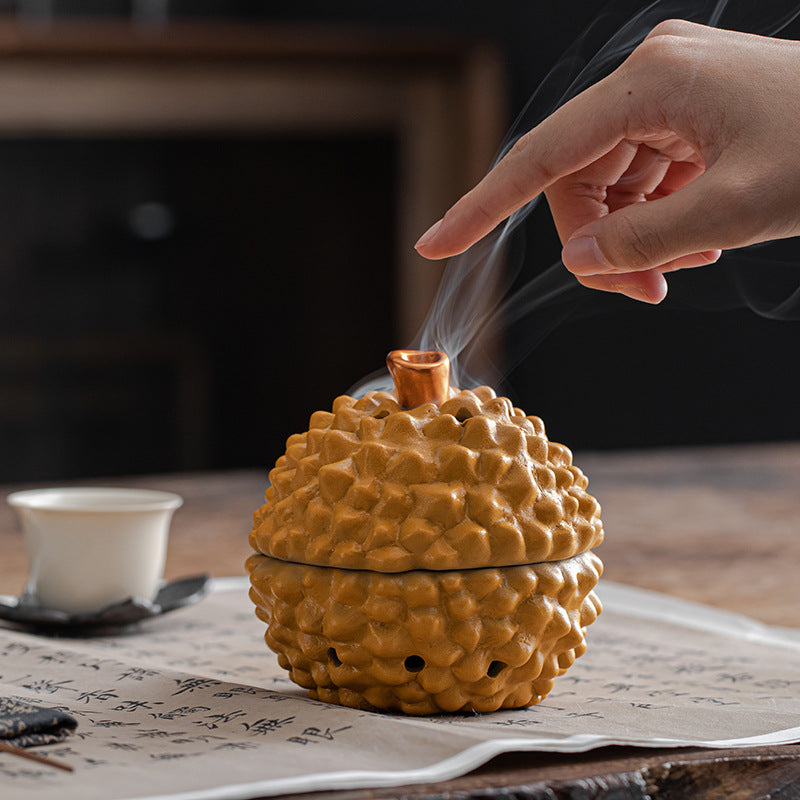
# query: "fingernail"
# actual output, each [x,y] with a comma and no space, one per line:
[428,235]
[582,256]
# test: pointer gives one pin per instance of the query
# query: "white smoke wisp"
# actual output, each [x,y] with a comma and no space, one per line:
[463,317]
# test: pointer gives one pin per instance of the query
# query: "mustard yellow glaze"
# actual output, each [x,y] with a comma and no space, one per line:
[473,483]
[423,642]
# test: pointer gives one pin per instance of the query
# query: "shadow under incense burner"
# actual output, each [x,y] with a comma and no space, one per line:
[426,550]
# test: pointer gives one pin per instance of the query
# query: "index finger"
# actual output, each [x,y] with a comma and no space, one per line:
[578,133]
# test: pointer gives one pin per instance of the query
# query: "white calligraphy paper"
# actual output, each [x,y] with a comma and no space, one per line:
[194,705]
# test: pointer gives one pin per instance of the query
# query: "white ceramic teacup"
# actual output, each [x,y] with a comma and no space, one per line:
[89,548]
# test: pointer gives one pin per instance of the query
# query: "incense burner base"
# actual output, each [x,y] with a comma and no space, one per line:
[424,642]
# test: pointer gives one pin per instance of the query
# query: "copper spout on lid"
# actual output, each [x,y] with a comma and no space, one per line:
[420,376]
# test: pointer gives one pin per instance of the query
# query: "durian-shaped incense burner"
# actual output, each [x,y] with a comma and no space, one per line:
[426,550]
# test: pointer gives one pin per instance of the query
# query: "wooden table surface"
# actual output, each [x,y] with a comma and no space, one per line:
[715,525]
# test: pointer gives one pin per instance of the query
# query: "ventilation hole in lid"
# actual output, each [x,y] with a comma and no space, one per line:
[414,663]
[381,414]
[334,659]
[495,668]
[463,414]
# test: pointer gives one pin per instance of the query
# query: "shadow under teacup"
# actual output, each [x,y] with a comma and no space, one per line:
[89,548]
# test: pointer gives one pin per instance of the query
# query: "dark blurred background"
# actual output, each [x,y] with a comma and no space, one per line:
[207,211]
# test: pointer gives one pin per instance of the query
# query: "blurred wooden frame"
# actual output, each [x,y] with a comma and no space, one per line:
[442,98]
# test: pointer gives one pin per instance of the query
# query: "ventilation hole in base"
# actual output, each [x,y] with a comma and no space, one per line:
[334,659]
[381,414]
[495,668]
[414,663]
[463,414]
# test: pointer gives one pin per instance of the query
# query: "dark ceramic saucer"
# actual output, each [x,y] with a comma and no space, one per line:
[177,594]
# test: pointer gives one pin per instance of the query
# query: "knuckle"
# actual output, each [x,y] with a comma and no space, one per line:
[520,152]
[530,162]
[630,246]
[594,192]
[673,27]
[485,213]
[663,53]
[520,146]
[474,208]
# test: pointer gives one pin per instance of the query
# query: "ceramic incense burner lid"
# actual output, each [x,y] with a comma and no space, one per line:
[450,534]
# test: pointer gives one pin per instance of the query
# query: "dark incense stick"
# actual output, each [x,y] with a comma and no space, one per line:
[23,753]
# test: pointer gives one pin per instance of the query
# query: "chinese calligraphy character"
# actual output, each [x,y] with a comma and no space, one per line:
[191,684]
[263,726]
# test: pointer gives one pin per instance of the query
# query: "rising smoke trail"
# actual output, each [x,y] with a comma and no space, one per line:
[460,321]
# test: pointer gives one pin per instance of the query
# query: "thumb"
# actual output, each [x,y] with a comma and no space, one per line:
[703,216]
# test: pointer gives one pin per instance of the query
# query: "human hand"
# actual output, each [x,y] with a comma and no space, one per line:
[690,147]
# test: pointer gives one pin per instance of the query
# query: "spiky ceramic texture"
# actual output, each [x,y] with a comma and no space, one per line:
[472,483]
[423,642]
[429,559]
